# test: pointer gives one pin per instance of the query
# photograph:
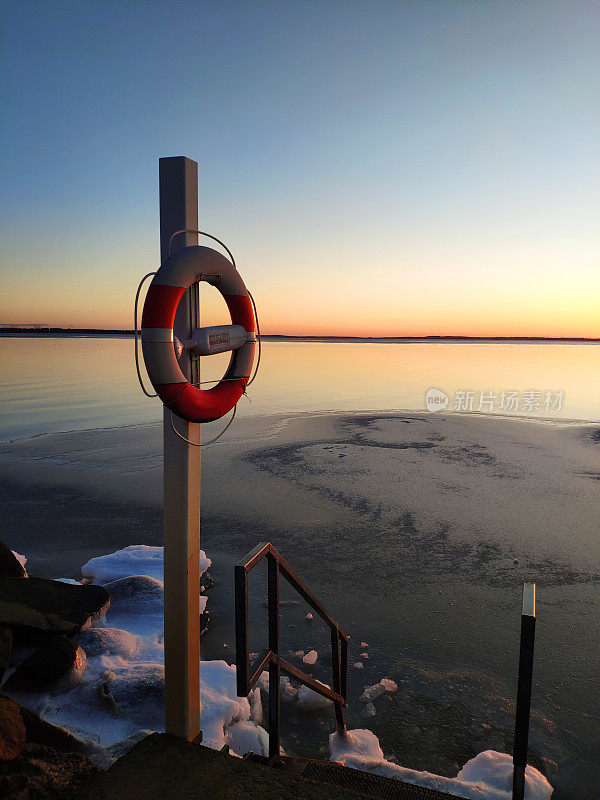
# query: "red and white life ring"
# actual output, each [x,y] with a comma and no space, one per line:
[188,266]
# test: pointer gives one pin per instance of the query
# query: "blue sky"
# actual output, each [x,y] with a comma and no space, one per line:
[377,167]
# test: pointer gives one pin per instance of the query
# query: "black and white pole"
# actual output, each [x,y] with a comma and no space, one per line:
[524,691]
[178,179]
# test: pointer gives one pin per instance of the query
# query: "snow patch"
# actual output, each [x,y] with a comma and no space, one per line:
[488,776]
[137,559]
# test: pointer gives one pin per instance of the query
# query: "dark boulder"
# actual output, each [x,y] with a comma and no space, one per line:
[9,566]
[41,772]
[46,665]
[6,639]
[45,606]
[42,732]
[12,730]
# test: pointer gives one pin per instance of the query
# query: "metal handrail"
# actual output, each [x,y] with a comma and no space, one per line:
[272,657]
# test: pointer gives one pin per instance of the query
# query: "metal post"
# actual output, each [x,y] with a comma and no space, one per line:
[178,178]
[337,679]
[524,691]
[274,666]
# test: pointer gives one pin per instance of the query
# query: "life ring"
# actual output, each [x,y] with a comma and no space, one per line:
[188,266]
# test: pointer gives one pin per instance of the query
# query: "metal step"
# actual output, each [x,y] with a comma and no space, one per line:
[366,783]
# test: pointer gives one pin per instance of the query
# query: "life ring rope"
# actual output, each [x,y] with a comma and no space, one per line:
[170,283]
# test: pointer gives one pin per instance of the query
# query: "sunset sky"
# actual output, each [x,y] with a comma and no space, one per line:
[377,168]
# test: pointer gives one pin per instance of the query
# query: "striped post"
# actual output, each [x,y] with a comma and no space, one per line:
[524,691]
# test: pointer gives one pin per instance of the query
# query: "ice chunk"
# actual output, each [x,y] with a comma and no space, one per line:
[256,711]
[309,699]
[243,737]
[220,705]
[358,743]
[495,771]
[289,693]
[310,657]
[372,693]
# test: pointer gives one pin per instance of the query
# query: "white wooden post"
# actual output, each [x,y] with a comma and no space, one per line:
[178,179]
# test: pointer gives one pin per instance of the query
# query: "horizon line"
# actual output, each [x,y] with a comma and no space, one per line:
[6,329]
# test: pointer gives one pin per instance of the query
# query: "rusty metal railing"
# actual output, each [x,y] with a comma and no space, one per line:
[247,675]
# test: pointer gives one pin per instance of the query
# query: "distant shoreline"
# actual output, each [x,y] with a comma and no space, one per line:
[279,337]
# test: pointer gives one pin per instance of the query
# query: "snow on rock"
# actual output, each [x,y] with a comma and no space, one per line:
[109,642]
[21,559]
[120,696]
[136,594]
[138,690]
[495,770]
[311,700]
[486,777]
[310,657]
[137,559]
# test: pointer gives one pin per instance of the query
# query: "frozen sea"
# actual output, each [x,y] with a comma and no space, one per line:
[415,529]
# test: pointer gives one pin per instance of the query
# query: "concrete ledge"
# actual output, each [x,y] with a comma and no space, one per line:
[162,767]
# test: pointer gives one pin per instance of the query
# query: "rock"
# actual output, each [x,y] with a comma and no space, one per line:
[41,605]
[42,732]
[48,664]
[6,638]
[12,730]
[45,773]
[310,657]
[10,567]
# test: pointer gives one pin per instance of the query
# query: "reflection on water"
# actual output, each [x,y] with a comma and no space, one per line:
[54,384]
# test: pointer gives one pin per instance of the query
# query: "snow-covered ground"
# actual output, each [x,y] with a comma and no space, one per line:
[117,694]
